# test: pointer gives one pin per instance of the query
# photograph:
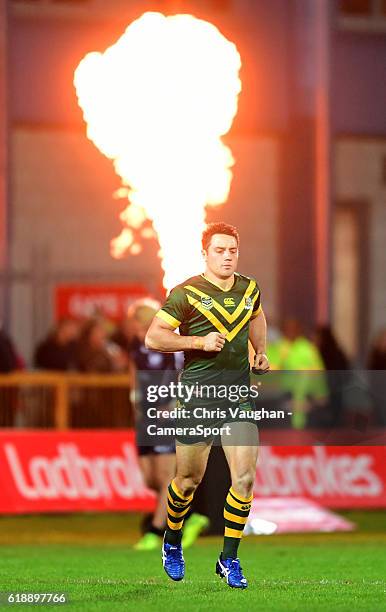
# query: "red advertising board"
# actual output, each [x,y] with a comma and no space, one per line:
[335,476]
[98,470]
[70,471]
[83,301]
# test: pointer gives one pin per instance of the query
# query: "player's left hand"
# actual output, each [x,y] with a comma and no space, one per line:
[261,363]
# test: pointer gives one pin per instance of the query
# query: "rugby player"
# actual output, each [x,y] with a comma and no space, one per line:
[216,313]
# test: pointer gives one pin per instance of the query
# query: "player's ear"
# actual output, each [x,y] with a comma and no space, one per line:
[204,254]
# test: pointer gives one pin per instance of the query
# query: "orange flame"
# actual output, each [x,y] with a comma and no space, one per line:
[157,103]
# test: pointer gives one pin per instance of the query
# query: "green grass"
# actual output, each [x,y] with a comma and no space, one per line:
[89,558]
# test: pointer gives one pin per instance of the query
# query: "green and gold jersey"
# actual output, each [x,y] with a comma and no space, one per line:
[198,307]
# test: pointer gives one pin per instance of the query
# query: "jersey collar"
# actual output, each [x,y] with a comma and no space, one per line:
[218,286]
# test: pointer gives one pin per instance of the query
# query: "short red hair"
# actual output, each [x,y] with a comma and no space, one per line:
[218,228]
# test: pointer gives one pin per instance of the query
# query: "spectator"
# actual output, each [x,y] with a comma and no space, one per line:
[274,396]
[100,407]
[332,354]
[377,377]
[338,376]
[293,351]
[9,362]
[58,350]
[124,335]
[95,353]
[377,357]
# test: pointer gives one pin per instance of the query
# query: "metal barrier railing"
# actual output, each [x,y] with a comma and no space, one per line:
[65,400]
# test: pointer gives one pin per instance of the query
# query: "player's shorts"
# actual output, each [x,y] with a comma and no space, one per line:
[158,449]
[205,423]
[149,445]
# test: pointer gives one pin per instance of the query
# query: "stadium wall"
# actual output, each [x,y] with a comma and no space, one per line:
[360,176]
[64,216]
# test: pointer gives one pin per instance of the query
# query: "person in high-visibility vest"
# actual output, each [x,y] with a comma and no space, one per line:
[293,351]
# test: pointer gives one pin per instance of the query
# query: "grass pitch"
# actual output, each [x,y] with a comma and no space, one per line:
[89,557]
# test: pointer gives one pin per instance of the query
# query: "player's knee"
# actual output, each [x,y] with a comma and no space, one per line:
[243,483]
[187,484]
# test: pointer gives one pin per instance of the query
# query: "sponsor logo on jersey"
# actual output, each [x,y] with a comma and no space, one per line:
[248,303]
[229,302]
[207,303]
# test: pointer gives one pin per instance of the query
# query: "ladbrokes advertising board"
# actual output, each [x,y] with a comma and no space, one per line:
[48,471]
[75,471]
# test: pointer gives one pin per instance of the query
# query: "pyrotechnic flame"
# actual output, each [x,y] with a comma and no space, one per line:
[157,103]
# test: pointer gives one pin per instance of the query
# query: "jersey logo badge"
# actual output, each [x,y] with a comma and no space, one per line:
[207,303]
[229,302]
[248,303]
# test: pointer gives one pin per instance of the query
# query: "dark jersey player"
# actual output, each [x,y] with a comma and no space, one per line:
[157,461]
[156,457]
[216,312]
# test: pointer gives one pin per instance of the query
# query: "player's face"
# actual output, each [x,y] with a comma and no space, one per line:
[222,255]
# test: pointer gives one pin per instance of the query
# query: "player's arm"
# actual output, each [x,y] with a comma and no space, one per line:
[258,339]
[161,336]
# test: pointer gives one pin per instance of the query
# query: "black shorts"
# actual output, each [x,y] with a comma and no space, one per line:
[152,445]
[159,449]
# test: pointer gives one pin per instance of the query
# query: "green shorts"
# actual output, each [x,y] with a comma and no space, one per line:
[199,423]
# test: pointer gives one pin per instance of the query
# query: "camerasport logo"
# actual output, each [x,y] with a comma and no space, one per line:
[325,473]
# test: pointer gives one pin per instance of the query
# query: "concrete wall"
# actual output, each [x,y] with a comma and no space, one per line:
[358,83]
[43,54]
[360,175]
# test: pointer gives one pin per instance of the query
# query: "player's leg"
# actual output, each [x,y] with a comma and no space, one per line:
[146,467]
[157,469]
[242,459]
[145,460]
[191,464]
[164,470]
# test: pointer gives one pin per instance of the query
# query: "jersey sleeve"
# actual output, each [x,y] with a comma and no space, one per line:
[257,305]
[176,308]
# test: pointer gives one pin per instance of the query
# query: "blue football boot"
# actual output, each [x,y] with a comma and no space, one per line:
[173,560]
[231,570]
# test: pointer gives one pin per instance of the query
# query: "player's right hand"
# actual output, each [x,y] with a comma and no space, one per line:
[214,342]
